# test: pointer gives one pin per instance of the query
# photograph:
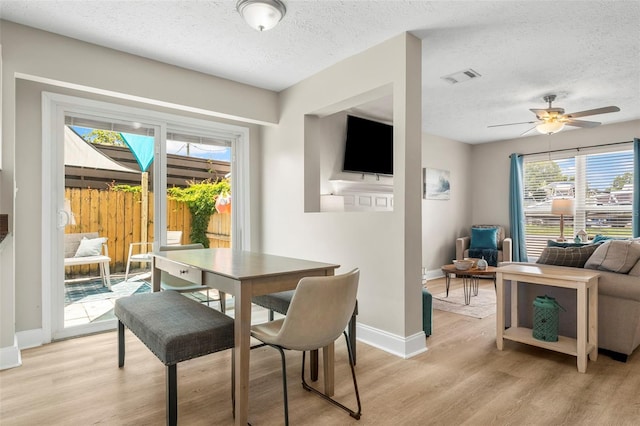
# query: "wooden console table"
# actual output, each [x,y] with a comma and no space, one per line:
[584,281]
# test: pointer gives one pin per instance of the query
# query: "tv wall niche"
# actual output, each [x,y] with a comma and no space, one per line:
[360,187]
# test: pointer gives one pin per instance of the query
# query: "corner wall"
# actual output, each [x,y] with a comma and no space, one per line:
[386,246]
[445,220]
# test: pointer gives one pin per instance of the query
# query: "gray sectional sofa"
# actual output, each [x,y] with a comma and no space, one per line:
[618,299]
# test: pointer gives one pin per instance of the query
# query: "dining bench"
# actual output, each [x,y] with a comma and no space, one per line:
[175,328]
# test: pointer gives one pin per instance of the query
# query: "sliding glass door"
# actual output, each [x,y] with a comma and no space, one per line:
[126,186]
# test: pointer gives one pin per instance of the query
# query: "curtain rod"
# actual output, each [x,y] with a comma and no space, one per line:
[574,149]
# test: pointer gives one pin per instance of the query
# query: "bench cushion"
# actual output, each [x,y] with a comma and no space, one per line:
[174,327]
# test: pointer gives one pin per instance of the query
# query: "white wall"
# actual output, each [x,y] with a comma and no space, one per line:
[490,164]
[34,61]
[385,246]
[445,220]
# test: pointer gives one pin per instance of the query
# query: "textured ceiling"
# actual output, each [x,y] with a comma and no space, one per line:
[586,52]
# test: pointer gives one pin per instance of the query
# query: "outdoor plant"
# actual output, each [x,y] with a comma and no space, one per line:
[200,197]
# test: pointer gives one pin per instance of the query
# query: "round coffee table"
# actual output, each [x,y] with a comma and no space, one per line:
[469,277]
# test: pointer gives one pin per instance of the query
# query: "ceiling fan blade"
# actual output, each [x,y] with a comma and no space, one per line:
[547,112]
[582,123]
[512,124]
[602,110]
[524,133]
[540,113]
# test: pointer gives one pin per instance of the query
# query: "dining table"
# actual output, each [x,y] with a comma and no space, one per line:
[243,274]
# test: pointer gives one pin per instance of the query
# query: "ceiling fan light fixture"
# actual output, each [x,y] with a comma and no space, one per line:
[550,127]
[261,15]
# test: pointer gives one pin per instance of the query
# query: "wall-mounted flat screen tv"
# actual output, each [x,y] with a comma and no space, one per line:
[369,147]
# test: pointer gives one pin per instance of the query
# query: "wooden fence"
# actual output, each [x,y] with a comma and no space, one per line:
[116,215]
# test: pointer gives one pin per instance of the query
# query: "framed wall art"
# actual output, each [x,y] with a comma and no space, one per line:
[435,184]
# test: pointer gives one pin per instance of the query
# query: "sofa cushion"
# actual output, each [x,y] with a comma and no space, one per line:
[615,256]
[90,247]
[484,238]
[635,271]
[574,257]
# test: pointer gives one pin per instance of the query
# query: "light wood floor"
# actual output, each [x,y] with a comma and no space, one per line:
[461,379]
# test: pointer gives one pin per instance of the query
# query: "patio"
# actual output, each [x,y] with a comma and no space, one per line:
[87,300]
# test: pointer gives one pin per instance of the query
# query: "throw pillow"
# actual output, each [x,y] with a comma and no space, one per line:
[574,257]
[551,243]
[484,238]
[90,247]
[615,256]
[600,238]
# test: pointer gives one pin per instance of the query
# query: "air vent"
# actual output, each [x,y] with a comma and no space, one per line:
[461,76]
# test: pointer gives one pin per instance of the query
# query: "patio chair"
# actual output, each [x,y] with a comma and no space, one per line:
[142,254]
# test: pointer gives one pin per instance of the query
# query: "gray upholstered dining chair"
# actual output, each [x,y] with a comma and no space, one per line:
[320,310]
[173,283]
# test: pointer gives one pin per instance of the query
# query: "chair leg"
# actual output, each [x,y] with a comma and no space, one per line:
[172,395]
[354,414]
[352,336]
[107,274]
[126,272]
[284,385]
[223,301]
[120,344]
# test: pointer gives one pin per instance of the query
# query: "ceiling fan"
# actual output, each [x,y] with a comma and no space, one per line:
[552,120]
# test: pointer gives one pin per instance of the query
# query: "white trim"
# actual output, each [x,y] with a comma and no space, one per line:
[10,356]
[54,108]
[433,274]
[30,338]
[148,101]
[404,347]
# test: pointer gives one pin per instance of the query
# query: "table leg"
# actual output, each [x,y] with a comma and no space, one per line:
[155,275]
[328,357]
[467,283]
[447,282]
[499,311]
[242,334]
[581,307]
[476,283]
[593,321]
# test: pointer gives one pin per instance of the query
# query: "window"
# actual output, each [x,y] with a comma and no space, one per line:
[601,184]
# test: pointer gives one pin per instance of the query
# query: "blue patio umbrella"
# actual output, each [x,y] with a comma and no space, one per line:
[142,148]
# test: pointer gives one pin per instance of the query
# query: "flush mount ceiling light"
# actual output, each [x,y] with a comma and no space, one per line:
[261,14]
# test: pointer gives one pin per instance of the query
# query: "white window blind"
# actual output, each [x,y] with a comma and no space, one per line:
[601,184]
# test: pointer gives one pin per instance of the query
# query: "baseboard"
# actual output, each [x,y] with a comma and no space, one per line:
[404,347]
[30,338]
[10,356]
[432,275]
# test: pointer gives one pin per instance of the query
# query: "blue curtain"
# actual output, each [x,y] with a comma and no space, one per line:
[516,210]
[636,187]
